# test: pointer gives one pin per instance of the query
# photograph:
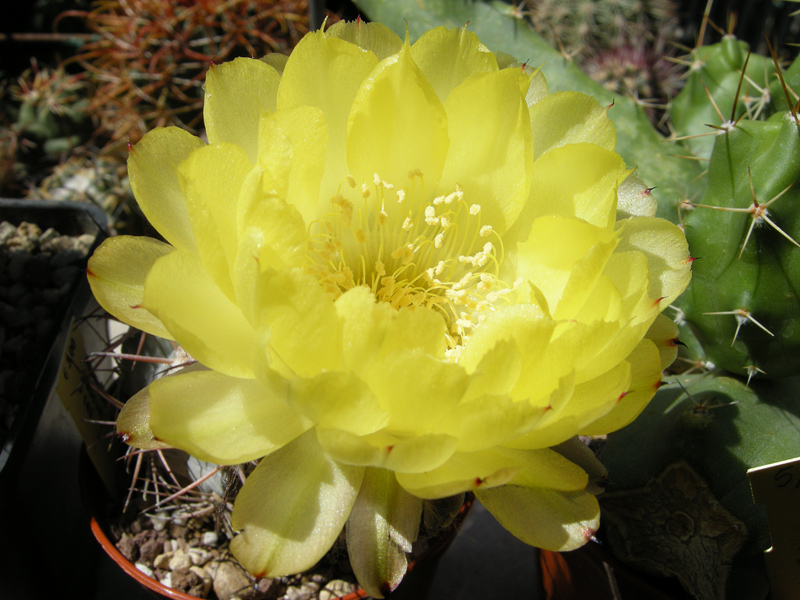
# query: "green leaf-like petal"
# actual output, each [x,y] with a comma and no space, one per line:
[292,508]
[382,526]
[544,518]
[133,423]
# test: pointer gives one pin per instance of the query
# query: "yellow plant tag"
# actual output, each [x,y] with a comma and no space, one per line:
[777,487]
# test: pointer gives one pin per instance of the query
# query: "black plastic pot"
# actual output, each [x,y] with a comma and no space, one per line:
[45,545]
[70,219]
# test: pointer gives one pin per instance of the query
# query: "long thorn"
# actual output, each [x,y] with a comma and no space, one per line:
[780,76]
[739,87]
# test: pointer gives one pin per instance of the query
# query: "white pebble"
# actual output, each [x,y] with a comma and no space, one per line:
[144,569]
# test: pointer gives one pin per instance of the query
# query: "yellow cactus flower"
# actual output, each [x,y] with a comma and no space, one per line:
[406,272]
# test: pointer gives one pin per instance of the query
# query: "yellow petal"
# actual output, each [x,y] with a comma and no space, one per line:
[276,60]
[236,93]
[491,420]
[411,454]
[545,518]
[645,364]
[211,178]
[397,125]
[667,253]
[326,72]
[664,334]
[564,258]
[565,118]
[153,172]
[364,322]
[221,419]
[294,145]
[415,388]
[339,401]
[374,331]
[382,526]
[292,509]
[117,272]
[300,320]
[273,236]
[531,331]
[589,401]
[448,56]
[490,153]
[629,272]
[469,471]
[374,37]
[604,303]
[202,319]
[579,180]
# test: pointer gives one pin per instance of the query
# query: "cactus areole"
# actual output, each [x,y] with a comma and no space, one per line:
[404,274]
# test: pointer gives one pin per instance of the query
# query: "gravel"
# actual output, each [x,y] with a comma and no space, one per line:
[38,270]
[186,558]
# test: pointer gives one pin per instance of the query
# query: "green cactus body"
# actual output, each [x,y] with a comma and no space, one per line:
[721,430]
[716,71]
[759,291]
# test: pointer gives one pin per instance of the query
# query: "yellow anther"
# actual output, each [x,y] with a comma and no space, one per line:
[474,209]
[388,283]
[408,224]
[486,231]
[401,196]
[430,215]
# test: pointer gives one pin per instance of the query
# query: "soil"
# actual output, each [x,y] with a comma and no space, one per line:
[188,555]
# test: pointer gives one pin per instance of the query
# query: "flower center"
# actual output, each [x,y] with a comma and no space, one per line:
[411,253]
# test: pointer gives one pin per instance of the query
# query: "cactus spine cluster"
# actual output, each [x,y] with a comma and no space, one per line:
[623,45]
[150,57]
[743,303]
